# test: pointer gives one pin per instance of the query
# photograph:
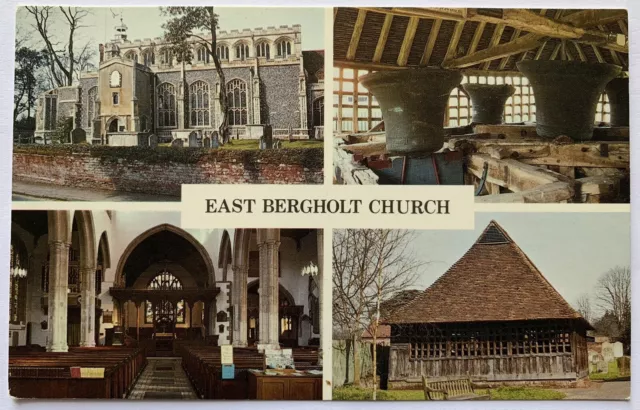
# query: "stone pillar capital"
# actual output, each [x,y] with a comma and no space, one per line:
[59,245]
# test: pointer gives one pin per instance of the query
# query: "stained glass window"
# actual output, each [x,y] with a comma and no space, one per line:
[165,280]
[237,101]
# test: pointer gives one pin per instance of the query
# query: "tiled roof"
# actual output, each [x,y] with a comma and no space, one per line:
[493,281]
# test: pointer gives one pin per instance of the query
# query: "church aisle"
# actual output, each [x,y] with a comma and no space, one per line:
[163,379]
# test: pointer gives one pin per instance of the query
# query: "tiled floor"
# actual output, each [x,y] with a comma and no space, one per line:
[163,379]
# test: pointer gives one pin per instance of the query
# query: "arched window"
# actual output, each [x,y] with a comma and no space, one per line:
[318,112]
[222,52]
[237,101]
[131,55]
[165,309]
[202,56]
[18,282]
[242,51]
[263,50]
[199,104]
[166,105]
[115,80]
[149,57]
[283,48]
[166,56]
[51,110]
[91,105]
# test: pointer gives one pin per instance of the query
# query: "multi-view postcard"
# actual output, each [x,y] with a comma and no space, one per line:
[516,122]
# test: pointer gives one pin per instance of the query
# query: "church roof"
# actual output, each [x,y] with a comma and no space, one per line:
[493,281]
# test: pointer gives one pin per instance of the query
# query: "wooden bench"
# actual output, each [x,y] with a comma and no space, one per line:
[456,388]
[35,374]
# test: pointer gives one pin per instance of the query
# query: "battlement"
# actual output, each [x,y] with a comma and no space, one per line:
[222,35]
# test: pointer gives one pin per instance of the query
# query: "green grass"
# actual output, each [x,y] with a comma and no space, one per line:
[502,393]
[612,374]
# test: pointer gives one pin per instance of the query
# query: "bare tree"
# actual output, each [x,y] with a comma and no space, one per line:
[61,56]
[368,267]
[613,294]
[584,307]
[183,30]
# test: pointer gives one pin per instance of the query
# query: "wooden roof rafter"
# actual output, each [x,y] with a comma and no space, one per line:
[417,37]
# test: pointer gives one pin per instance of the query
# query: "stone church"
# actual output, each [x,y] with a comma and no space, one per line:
[140,89]
[94,278]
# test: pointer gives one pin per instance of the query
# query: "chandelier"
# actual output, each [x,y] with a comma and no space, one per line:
[16,270]
[311,269]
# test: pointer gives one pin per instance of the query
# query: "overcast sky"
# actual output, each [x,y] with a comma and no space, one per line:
[146,22]
[571,250]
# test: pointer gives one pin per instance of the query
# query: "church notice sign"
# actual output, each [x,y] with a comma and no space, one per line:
[251,206]
[226,354]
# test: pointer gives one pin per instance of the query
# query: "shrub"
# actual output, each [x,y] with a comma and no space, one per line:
[62,135]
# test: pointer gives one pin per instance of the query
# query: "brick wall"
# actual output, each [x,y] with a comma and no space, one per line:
[162,170]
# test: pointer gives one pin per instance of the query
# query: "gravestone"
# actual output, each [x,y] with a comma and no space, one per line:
[153,140]
[206,142]
[602,366]
[618,349]
[607,352]
[194,140]
[177,143]
[78,135]
[319,133]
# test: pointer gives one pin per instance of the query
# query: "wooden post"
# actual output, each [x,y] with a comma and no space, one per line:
[138,321]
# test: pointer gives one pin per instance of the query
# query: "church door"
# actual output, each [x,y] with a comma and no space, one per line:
[113,125]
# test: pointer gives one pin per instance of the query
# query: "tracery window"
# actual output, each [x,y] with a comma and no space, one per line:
[202,55]
[166,56]
[263,50]
[165,280]
[199,104]
[166,105]
[50,111]
[283,48]
[318,112]
[242,51]
[237,100]
[149,57]
[222,52]
[91,105]
[131,55]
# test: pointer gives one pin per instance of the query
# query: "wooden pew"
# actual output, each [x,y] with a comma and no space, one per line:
[36,374]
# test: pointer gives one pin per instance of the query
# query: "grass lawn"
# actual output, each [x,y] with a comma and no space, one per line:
[502,393]
[613,373]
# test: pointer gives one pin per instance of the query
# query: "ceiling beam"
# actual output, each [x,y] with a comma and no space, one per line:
[580,52]
[519,45]
[555,52]
[540,50]
[495,40]
[505,60]
[382,40]
[455,14]
[614,54]
[455,39]
[476,37]
[594,17]
[409,35]
[355,37]
[431,42]
[598,54]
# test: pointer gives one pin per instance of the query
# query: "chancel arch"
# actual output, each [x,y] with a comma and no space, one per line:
[165,289]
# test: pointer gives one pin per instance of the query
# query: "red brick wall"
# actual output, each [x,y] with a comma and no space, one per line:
[163,171]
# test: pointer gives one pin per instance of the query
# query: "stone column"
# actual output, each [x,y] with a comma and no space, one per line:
[87,314]
[58,285]
[268,244]
[319,282]
[240,276]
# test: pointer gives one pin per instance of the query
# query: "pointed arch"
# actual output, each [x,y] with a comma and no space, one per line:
[225,256]
[119,274]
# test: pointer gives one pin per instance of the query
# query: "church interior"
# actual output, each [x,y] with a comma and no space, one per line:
[113,304]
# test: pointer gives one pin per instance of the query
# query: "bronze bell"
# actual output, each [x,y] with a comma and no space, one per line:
[618,92]
[413,103]
[487,101]
[567,94]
